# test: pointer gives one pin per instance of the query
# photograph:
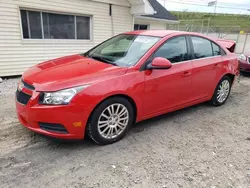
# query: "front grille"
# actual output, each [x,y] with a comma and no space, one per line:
[53,127]
[22,97]
[28,86]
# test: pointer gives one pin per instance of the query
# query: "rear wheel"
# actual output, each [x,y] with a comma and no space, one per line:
[111,120]
[222,91]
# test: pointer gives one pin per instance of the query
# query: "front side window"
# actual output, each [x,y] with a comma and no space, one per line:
[202,47]
[123,50]
[175,50]
[43,25]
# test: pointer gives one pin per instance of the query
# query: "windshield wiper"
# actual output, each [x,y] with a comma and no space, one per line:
[105,60]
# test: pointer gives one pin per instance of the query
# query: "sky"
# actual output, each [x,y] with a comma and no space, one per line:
[223,6]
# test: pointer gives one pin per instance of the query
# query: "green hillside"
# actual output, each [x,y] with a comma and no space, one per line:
[216,20]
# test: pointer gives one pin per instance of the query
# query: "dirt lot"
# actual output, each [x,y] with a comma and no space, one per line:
[201,146]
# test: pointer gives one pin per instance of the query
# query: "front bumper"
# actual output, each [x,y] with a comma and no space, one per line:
[72,117]
[244,66]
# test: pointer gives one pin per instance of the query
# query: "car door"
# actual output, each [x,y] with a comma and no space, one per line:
[166,89]
[206,66]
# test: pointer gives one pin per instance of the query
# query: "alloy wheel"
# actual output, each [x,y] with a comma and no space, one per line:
[223,91]
[113,121]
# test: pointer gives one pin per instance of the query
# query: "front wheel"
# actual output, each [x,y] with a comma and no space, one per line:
[111,120]
[222,91]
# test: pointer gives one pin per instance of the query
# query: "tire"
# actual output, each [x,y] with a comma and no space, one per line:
[220,89]
[105,128]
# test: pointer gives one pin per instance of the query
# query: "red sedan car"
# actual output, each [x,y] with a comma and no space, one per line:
[245,62]
[126,79]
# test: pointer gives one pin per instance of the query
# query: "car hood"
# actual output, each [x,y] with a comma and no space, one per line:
[69,72]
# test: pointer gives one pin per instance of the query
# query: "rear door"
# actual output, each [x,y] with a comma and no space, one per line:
[207,63]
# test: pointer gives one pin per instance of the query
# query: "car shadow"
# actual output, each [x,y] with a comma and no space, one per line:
[136,128]
[146,124]
[245,74]
[71,144]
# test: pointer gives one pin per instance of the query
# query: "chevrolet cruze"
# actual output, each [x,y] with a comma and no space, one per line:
[126,79]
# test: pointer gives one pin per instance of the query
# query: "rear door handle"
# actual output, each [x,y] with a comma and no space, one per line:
[186,73]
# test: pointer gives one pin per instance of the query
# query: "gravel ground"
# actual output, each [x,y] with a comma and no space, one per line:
[200,146]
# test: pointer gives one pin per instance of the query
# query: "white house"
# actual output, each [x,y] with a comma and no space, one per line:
[33,31]
[159,20]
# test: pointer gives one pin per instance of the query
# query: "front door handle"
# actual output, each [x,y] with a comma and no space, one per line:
[186,73]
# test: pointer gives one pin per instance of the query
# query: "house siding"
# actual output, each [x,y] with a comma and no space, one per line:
[18,54]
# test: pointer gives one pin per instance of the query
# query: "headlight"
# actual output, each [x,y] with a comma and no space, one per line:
[243,57]
[62,96]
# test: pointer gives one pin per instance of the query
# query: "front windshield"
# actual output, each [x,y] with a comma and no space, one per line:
[123,50]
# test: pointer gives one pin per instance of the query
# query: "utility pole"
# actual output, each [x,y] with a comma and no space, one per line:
[215,6]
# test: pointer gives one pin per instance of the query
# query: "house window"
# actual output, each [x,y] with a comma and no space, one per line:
[140,27]
[43,25]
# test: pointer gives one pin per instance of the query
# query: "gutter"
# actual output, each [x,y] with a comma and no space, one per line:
[158,19]
[125,4]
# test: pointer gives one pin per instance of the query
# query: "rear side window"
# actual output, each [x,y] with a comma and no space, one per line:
[175,50]
[202,47]
[216,49]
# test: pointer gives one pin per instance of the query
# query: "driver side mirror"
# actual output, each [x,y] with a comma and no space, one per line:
[159,63]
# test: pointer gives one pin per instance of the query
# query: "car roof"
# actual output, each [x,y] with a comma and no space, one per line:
[163,33]
[155,33]
[227,44]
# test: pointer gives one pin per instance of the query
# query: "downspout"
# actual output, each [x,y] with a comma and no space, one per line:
[133,23]
[112,19]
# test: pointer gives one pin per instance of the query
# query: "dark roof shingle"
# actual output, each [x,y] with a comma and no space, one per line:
[161,12]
